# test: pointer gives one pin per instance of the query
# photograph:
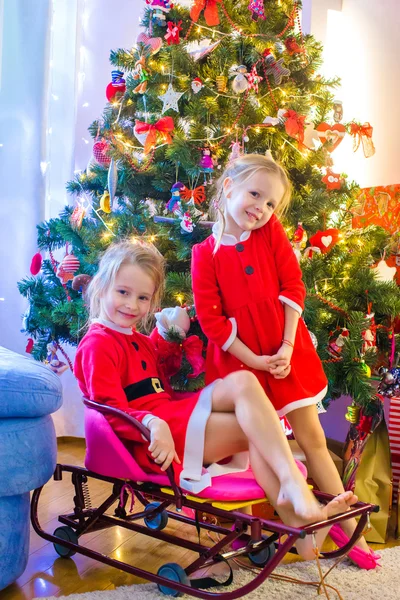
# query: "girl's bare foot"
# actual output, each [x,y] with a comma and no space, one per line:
[296,495]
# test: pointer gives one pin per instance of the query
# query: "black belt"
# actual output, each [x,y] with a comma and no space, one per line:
[145,387]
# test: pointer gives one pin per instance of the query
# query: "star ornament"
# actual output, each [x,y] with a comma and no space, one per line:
[333,181]
[170,99]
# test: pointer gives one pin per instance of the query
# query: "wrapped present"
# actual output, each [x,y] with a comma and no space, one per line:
[394,441]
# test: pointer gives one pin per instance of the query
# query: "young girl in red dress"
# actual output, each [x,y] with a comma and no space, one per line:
[249,298]
[117,366]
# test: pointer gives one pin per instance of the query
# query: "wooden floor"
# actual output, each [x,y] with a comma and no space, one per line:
[49,575]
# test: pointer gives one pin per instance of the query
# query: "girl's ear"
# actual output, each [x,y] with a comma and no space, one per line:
[227,186]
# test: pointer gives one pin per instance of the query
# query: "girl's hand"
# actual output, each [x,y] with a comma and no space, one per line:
[260,363]
[162,445]
[279,363]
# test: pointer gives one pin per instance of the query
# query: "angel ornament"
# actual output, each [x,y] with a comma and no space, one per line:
[240,82]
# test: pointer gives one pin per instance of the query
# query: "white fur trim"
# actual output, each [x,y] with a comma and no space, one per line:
[146,420]
[111,325]
[228,239]
[304,402]
[232,336]
[290,303]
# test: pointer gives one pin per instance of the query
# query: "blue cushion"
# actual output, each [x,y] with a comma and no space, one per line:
[28,453]
[28,388]
[14,537]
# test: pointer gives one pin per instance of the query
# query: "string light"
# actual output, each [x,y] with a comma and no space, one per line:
[180,298]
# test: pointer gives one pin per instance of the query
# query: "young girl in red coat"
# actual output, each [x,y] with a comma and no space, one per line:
[117,366]
[249,298]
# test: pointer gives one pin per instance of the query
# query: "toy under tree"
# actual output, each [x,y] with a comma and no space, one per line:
[207,81]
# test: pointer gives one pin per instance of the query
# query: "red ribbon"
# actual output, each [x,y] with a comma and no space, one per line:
[164,126]
[210,11]
[172,35]
[198,194]
[357,131]
[294,125]
[364,426]
[171,354]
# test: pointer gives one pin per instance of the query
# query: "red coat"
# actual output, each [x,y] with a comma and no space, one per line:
[241,291]
[111,364]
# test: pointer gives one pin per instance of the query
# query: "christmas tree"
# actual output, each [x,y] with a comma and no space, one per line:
[207,81]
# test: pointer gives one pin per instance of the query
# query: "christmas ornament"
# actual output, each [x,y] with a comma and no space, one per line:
[337,111]
[311,138]
[200,48]
[112,180]
[369,335]
[256,7]
[57,366]
[70,264]
[210,11]
[353,414]
[333,181]
[254,79]
[294,125]
[366,369]
[77,216]
[153,44]
[25,320]
[378,205]
[236,151]
[116,89]
[174,202]
[383,272]
[333,134]
[336,346]
[29,346]
[195,196]
[389,385]
[170,99]
[394,261]
[162,128]
[140,73]
[292,46]
[80,283]
[299,240]
[172,35]
[187,224]
[206,165]
[197,84]
[221,82]
[275,67]
[240,83]
[36,263]
[172,323]
[325,240]
[100,152]
[105,202]
[160,9]
[362,134]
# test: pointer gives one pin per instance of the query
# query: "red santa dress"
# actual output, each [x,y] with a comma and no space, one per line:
[241,292]
[118,367]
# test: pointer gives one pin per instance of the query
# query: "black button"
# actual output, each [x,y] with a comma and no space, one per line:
[249,270]
[239,247]
[144,365]
[135,345]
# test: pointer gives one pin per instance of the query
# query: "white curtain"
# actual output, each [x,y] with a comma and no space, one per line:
[54,70]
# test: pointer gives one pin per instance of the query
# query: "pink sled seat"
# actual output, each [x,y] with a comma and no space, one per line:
[107,455]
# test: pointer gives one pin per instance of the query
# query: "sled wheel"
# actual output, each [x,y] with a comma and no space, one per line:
[156,522]
[174,572]
[66,533]
[262,557]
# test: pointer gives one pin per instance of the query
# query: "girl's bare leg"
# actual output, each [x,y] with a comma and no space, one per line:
[234,440]
[242,394]
[310,436]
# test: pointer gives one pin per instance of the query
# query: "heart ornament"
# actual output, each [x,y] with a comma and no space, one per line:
[154,44]
[331,133]
[326,240]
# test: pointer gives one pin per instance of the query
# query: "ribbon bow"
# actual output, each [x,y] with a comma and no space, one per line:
[198,194]
[172,35]
[362,133]
[294,125]
[171,354]
[164,126]
[210,11]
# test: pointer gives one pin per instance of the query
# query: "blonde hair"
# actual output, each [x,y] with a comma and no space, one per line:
[241,169]
[144,255]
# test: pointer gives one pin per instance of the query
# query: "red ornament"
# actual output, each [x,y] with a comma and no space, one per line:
[294,125]
[210,11]
[29,346]
[70,264]
[172,35]
[331,133]
[36,264]
[117,87]
[332,180]
[325,240]
[100,152]
[292,46]
[299,233]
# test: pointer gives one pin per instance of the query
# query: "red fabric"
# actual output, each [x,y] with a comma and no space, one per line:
[222,290]
[163,126]
[210,11]
[170,355]
[106,363]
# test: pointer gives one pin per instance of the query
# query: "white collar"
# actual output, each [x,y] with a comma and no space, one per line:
[228,239]
[111,325]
